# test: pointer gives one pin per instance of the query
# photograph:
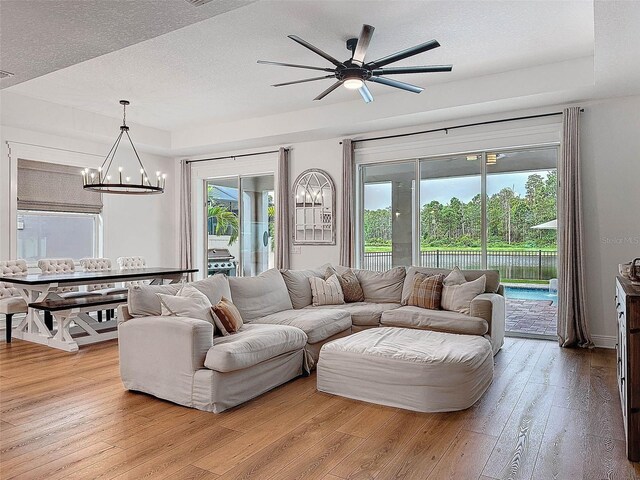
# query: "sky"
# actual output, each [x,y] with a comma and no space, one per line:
[378,196]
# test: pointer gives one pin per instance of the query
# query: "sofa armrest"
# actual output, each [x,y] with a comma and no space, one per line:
[123,314]
[491,307]
[500,290]
[159,355]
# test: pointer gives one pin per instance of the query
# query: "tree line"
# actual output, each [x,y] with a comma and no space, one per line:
[457,224]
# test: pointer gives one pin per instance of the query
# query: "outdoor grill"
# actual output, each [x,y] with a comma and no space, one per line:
[220,260]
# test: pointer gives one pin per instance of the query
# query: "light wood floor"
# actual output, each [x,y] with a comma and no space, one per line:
[550,413]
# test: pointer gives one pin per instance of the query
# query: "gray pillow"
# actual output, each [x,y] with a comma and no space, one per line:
[214,287]
[380,287]
[298,285]
[142,300]
[257,297]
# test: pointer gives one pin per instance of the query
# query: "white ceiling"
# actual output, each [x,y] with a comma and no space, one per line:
[207,72]
[41,36]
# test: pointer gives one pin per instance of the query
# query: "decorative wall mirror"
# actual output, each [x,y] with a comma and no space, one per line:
[314,205]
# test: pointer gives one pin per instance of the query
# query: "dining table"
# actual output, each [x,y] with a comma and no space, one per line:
[74,326]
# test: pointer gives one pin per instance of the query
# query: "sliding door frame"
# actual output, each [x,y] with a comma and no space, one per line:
[359,201]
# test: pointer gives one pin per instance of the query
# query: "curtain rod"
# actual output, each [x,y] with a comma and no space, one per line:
[232,156]
[446,129]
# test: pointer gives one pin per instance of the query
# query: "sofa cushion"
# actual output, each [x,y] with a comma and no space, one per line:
[426,291]
[350,284]
[318,323]
[491,286]
[251,345]
[437,320]
[363,314]
[258,296]
[379,287]
[298,286]
[214,287]
[457,298]
[326,292]
[226,317]
[143,301]
[188,302]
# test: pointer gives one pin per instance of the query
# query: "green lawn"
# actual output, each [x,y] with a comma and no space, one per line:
[387,248]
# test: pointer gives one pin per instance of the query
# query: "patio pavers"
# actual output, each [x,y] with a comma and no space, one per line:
[531,316]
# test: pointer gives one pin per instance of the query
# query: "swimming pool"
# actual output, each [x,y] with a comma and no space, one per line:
[523,293]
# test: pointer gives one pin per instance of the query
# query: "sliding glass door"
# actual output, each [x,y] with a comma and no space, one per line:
[257,224]
[490,209]
[240,216]
[451,212]
[388,214]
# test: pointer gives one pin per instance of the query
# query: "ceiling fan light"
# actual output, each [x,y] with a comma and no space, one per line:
[353,83]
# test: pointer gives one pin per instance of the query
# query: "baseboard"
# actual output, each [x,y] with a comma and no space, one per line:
[604,341]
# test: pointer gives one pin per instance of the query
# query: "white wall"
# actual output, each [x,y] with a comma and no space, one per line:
[610,153]
[145,226]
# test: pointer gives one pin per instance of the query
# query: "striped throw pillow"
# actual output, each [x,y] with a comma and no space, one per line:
[426,291]
[226,317]
[326,292]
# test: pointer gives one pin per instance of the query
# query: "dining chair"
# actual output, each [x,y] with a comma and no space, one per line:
[11,302]
[61,265]
[97,265]
[132,263]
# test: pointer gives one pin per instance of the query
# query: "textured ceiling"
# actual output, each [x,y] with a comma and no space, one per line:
[41,36]
[207,72]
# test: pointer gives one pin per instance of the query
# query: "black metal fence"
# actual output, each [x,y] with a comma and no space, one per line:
[525,265]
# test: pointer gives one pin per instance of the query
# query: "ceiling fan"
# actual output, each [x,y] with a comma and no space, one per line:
[354,72]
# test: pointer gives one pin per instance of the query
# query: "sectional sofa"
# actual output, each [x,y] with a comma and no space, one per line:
[181,360]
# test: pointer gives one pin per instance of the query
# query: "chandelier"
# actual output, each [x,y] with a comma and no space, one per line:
[103,181]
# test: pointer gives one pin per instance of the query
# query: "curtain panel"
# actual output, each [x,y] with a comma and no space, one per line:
[282,210]
[51,187]
[186,246]
[347,217]
[573,326]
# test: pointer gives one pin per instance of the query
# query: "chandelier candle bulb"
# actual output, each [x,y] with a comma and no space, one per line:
[120,173]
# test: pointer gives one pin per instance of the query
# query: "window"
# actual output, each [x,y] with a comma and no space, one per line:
[57,235]
[492,209]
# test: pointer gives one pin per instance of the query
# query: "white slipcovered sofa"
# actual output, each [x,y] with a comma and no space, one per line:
[179,359]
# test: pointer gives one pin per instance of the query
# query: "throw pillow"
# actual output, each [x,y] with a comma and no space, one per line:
[188,302]
[349,283]
[226,317]
[457,298]
[427,291]
[456,277]
[326,292]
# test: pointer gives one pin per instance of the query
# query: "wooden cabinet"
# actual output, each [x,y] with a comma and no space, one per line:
[628,351]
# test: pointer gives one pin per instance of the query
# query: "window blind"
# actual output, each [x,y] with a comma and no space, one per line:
[52,187]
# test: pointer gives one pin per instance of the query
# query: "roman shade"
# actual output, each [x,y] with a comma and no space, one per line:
[54,188]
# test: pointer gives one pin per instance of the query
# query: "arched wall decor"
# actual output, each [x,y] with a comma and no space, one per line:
[314,206]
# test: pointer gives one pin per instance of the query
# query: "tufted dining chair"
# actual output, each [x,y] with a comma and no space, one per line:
[97,265]
[61,265]
[10,300]
[131,263]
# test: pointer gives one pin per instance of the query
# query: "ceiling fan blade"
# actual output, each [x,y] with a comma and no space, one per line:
[303,81]
[399,70]
[409,52]
[394,83]
[329,90]
[366,94]
[363,44]
[316,50]
[322,69]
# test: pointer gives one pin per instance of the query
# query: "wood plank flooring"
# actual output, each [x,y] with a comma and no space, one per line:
[550,413]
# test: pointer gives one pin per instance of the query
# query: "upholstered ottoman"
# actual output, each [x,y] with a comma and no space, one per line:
[418,370]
